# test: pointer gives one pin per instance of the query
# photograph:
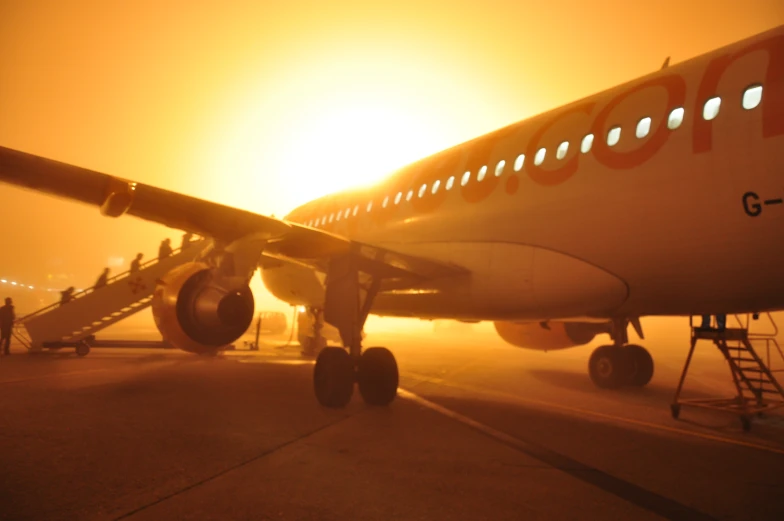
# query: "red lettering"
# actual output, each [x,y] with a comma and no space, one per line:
[559,175]
[772,98]
[676,90]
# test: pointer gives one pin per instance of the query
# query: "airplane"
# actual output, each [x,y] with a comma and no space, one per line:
[660,196]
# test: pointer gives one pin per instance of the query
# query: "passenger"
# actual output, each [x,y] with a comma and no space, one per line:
[165,249]
[102,279]
[721,323]
[186,240]
[66,296]
[7,318]
[136,264]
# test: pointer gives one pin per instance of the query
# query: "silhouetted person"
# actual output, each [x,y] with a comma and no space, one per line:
[7,318]
[165,249]
[721,323]
[136,264]
[102,279]
[66,295]
[186,240]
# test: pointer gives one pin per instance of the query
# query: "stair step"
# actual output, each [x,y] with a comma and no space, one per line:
[735,359]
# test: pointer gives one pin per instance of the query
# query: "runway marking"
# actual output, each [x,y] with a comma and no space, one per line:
[55,375]
[643,498]
[639,423]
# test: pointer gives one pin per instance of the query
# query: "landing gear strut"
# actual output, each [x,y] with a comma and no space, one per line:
[313,345]
[348,297]
[619,364]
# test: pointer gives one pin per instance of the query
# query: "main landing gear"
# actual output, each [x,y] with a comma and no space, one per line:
[348,297]
[375,373]
[619,364]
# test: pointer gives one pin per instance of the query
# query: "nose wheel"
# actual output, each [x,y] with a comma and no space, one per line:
[375,373]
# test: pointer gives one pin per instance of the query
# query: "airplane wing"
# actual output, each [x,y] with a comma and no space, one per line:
[289,241]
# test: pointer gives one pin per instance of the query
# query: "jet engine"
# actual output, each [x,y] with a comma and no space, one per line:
[545,336]
[198,311]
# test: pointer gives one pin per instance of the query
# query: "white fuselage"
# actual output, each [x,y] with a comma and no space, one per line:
[683,220]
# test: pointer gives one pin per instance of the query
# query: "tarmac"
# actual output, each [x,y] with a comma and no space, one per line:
[480,430]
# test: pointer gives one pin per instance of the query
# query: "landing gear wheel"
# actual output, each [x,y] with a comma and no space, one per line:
[377,376]
[82,349]
[675,410]
[333,377]
[640,365]
[609,367]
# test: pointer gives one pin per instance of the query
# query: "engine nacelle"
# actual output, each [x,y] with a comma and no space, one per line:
[552,335]
[195,311]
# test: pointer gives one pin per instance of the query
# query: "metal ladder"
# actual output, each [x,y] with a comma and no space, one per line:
[74,323]
[754,377]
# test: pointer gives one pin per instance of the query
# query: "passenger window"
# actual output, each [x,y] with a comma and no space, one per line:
[369,206]
[482,173]
[331,217]
[519,162]
[337,217]
[398,197]
[464,180]
[435,187]
[539,157]
[752,97]
[409,195]
[422,190]
[356,211]
[323,220]
[675,119]
[711,108]
[587,143]
[643,127]
[450,182]
[385,202]
[613,136]
[563,148]
[348,212]
[499,168]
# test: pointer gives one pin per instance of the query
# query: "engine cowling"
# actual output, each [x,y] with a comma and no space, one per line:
[551,335]
[197,312]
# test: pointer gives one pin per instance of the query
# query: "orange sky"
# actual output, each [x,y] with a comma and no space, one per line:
[264,105]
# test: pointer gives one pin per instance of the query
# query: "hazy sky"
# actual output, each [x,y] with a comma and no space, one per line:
[265,105]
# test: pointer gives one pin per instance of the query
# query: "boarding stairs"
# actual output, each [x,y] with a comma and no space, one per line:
[751,356]
[75,323]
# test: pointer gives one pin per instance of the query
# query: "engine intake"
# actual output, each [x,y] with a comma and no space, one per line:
[196,311]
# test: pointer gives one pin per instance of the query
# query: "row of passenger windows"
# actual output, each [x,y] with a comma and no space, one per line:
[752,97]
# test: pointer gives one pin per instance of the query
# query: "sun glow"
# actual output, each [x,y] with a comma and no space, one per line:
[341,120]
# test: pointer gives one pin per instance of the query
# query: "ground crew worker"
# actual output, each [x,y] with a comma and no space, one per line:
[136,264]
[165,249]
[67,295]
[102,279]
[7,318]
[186,240]
[721,323]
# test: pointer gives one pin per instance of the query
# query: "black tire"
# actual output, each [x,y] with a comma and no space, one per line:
[377,376]
[640,365]
[83,349]
[608,367]
[333,377]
